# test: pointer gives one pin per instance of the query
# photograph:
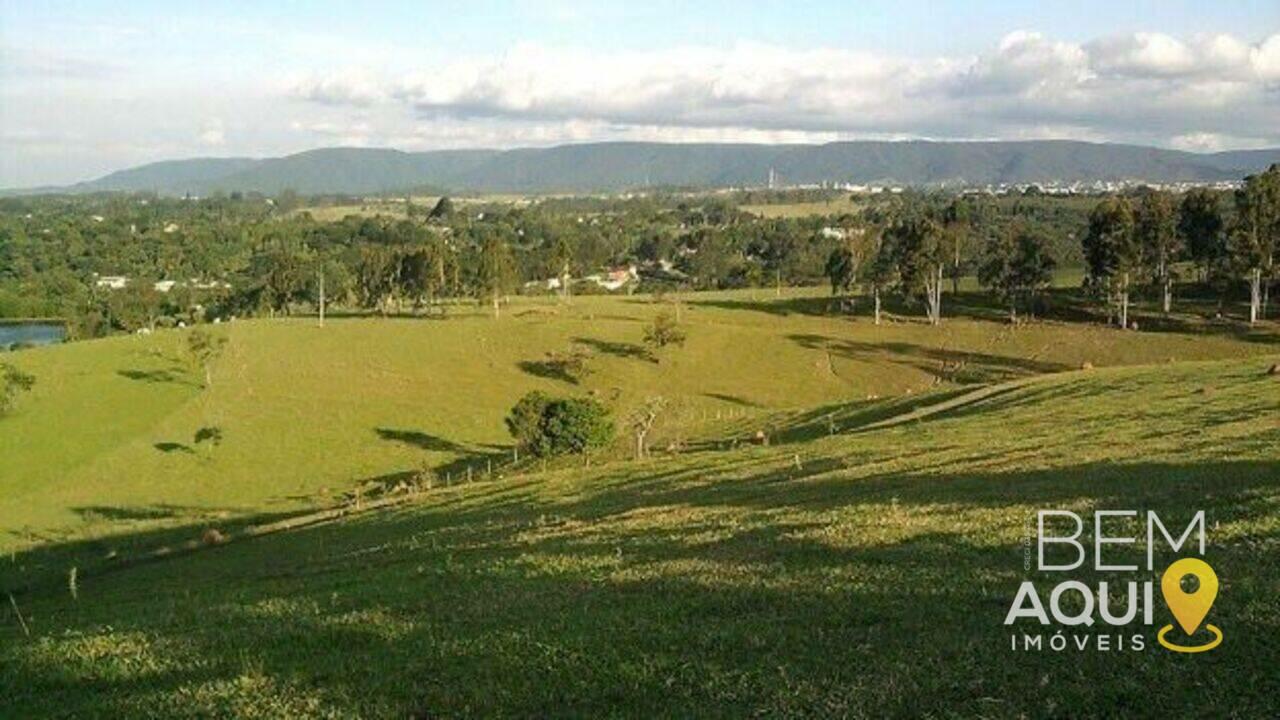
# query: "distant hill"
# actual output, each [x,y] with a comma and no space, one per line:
[619,166]
[176,177]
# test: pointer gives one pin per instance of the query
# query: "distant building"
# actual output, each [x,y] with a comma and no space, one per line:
[616,278]
[112,282]
[549,284]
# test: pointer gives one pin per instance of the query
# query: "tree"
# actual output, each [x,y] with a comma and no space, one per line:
[1156,226]
[562,262]
[642,419]
[663,331]
[287,201]
[548,426]
[1200,227]
[1017,266]
[281,274]
[377,276]
[917,250]
[13,382]
[574,426]
[495,273]
[424,271]
[525,419]
[842,270]
[881,273]
[1112,251]
[957,229]
[1253,238]
[443,211]
[204,348]
[135,307]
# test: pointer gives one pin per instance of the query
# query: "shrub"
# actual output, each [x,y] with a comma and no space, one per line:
[525,421]
[574,426]
[559,426]
[12,383]
[663,331]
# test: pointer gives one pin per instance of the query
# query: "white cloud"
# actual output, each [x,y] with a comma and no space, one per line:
[1142,55]
[1145,87]
[213,134]
[346,88]
[1266,59]
[91,108]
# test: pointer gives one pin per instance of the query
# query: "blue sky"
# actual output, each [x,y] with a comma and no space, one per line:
[88,87]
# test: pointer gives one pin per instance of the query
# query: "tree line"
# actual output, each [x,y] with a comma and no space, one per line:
[1145,240]
[241,255]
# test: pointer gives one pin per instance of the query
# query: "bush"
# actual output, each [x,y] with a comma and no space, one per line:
[663,331]
[525,421]
[574,426]
[13,382]
[545,426]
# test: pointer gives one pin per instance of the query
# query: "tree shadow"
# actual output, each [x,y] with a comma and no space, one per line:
[147,512]
[625,350]
[419,439]
[157,377]
[960,366]
[172,447]
[732,399]
[548,370]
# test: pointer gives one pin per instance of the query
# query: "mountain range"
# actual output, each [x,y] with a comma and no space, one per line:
[614,166]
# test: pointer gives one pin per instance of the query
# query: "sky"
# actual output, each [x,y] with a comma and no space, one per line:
[87,88]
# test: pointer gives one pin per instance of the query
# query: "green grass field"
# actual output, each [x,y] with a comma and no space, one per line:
[861,564]
[839,206]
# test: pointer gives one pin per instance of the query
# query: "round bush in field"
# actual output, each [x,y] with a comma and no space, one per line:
[559,426]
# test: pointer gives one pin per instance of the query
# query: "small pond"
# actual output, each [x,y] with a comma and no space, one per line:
[31,333]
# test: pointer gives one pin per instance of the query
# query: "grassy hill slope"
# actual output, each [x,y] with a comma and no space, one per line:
[107,440]
[864,573]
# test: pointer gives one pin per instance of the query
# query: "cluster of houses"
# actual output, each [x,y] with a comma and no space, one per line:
[120,282]
[612,280]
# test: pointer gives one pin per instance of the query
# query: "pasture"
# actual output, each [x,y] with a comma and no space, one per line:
[843,205]
[860,563]
[107,439]
[864,573]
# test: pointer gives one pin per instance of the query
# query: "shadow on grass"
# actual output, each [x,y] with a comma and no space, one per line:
[879,596]
[960,366]
[158,377]
[548,370]
[144,512]
[625,350]
[732,399]
[419,439]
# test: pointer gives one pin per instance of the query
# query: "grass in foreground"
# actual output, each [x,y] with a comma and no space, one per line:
[862,574]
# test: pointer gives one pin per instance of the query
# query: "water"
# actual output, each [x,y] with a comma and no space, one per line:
[31,334]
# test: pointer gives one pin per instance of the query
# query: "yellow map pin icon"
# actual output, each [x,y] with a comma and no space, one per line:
[1189,609]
